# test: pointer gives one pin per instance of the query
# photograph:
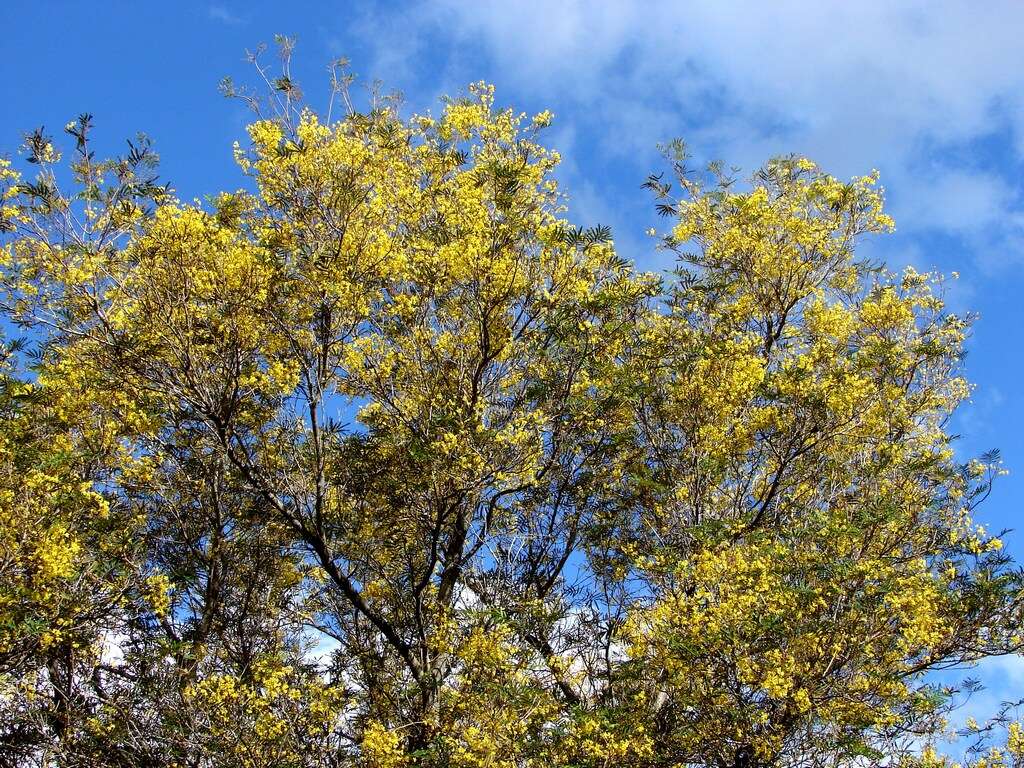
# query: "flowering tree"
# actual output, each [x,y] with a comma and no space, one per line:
[380,461]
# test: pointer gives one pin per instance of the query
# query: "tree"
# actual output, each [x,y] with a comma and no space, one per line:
[383,462]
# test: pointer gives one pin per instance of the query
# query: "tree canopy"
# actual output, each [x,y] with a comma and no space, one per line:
[381,461]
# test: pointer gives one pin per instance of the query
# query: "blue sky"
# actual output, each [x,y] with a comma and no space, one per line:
[929,93]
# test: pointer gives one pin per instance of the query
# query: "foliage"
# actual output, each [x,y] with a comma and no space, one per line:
[381,461]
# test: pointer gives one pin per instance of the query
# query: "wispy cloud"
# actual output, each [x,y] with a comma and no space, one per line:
[930,93]
[224,15]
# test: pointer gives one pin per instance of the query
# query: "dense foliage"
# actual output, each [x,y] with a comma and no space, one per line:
[382,462]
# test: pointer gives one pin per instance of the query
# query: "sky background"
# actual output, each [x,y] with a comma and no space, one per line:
[929,93]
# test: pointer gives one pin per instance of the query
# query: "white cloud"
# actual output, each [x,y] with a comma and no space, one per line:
[224,15]
[960,201]
[910,88]
[1002,680]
